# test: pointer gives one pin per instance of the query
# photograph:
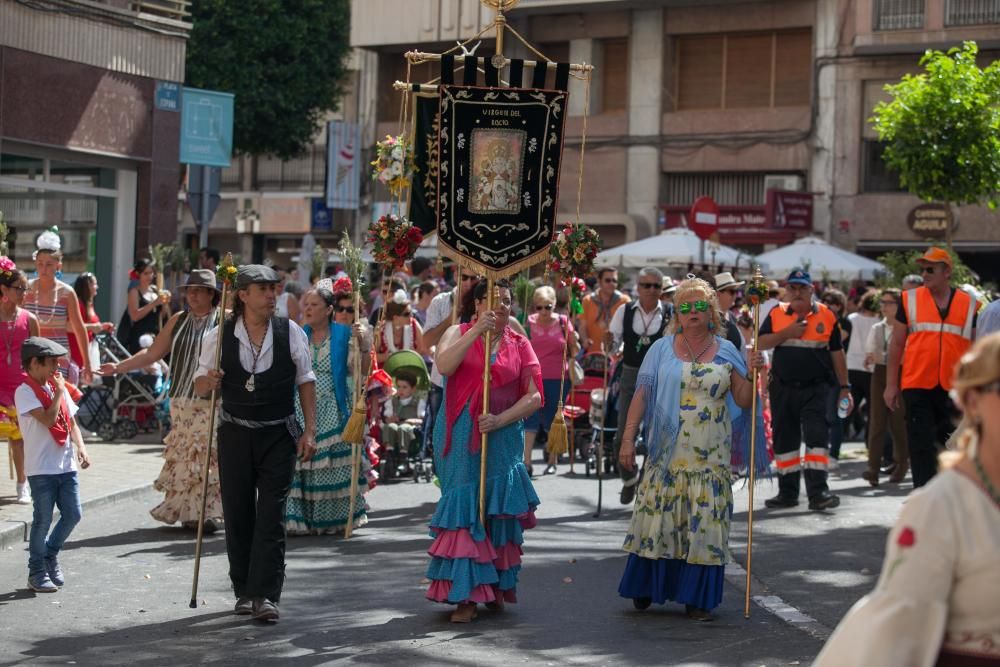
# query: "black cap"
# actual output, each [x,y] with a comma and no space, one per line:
[248,274]
[36,347]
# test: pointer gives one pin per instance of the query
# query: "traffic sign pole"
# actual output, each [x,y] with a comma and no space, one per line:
[206,204]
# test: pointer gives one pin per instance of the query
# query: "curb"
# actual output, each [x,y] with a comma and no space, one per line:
[15,533]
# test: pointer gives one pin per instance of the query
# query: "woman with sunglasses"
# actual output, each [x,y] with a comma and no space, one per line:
[936,599]
[319,499]
[548,333]
[691,396]
[472,563]
[16,325]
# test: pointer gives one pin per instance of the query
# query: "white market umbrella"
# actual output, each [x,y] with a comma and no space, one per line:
[674,247]
[821,260]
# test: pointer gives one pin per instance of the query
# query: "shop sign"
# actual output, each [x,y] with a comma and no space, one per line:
[168,96]
[930,221]
[788,209]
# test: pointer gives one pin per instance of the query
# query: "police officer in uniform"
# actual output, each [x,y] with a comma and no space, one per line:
[808,354]
[634,328]
[264,359]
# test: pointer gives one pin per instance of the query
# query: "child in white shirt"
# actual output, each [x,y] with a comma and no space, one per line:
[46,418]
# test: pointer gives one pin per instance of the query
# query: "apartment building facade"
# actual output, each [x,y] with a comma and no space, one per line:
[89,130]
[723,98]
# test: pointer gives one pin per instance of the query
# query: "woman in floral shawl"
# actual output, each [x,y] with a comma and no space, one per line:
[691,389]
[470,562]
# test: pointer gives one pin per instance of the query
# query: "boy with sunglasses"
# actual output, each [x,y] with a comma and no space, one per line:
[935,325]
[598,308]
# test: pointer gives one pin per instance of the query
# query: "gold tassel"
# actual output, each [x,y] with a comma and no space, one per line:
[558,434]
[354,430]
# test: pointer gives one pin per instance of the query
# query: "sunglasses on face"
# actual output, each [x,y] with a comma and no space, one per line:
[19,289]
[929,270]
[651,285]
[774,294]
[888,302]
[547,306]
[610,281]
[685,308]
[345,309]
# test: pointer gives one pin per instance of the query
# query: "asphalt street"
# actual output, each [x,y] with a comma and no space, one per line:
[128,582]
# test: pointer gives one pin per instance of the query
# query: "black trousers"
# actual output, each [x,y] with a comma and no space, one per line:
[928,427]
[797,414]
[255,473]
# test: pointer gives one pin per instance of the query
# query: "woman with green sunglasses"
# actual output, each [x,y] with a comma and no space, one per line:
[691,396]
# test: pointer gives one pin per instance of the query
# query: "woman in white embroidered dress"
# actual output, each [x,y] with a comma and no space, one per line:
[937,601]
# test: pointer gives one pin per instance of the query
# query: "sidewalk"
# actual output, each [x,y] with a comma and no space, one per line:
[117,471]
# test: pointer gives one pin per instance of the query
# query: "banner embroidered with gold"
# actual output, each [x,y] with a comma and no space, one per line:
[499,152]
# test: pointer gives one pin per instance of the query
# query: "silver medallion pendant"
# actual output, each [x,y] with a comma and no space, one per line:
[249,386]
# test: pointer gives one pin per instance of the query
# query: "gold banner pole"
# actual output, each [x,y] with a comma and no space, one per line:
[757,288]
[355,446]
[487,344]
[211,440]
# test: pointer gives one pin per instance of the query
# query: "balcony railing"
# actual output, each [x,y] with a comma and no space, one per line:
[176,10]
[971,12]
[899,14]
[307,172]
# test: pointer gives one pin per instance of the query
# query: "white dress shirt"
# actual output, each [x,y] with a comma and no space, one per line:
[642,327]
[438,312]
[298,345]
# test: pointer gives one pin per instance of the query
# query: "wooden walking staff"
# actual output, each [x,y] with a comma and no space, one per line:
[755,291]
[356,442]
[226,274]
[491,299]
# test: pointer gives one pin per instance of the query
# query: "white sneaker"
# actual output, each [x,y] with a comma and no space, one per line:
[23,493]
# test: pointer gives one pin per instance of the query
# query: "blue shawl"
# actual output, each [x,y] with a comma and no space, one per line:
[660,375]
[340,339]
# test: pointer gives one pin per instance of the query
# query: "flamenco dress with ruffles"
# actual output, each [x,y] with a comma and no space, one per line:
[471,562]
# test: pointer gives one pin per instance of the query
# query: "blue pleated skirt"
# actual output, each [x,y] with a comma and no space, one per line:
[673,579]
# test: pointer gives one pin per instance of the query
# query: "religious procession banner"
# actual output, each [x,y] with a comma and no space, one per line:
[499,156]
[424,189]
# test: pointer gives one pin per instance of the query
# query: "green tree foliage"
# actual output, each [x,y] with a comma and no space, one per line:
[942,129]
[285,61]
[901,263]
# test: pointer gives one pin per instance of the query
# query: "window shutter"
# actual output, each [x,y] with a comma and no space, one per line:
[793,68]
[699,72]
[614,96]
[748,71]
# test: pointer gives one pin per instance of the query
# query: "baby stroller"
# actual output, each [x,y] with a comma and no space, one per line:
[599,402]
[577,406]
[413,461]
[121,406]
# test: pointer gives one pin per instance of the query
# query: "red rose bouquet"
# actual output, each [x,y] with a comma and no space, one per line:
[394,240]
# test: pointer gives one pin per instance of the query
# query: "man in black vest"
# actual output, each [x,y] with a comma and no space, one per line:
[633,329]
[264,359]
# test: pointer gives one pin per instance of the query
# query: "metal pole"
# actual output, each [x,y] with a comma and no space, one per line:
[206,205]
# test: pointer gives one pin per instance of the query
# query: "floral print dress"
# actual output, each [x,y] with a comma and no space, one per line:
[684,512]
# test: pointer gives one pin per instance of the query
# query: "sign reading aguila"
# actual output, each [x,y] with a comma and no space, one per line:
[930,221]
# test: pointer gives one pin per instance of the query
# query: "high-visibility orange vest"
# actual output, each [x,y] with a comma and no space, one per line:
[820,325]
[934,345]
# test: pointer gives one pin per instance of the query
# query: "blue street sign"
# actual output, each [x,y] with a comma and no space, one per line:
[168,96]
[322,218]
[206,127]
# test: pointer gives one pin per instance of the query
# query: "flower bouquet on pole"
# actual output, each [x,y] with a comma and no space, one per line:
[572,253]
[394,163]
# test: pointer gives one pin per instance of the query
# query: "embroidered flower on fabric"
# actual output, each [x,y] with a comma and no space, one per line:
[906,539]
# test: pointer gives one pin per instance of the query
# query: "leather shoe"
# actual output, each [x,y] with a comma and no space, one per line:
[824,501]
[888,470]
[550,470]
[781,501]
[899,474]
[628,491]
